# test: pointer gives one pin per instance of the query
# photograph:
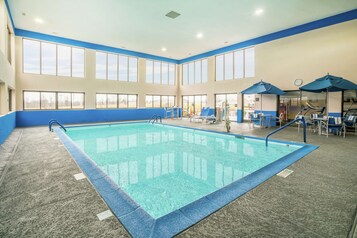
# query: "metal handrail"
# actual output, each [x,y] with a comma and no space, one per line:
[302,119]
[51,122]
[155,118]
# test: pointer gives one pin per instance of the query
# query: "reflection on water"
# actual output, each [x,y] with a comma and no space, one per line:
[165,168]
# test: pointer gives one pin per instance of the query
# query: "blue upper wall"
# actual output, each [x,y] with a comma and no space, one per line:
[343,17]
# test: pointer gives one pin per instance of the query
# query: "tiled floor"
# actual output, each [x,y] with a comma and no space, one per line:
[40,197]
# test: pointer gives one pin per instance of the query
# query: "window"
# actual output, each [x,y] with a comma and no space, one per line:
[195,72]
[52,59]
[116,67]
[236,65]
[9,41]
[31,56]
[192,105]
[111,100]
[52,100]
[159,101]
[48,59]
[232,100]
[158,72]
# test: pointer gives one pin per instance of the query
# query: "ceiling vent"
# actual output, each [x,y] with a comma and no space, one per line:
[173,14]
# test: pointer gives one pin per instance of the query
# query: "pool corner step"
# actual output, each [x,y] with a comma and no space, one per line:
[285,173]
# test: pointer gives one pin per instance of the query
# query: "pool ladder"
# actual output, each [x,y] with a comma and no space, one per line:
[302,119]
[53,121]
[155,118]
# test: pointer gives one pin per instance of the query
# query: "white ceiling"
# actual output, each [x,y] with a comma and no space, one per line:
[141,25]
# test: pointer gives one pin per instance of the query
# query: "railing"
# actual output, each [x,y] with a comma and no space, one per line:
[53,121]
[155,118]
[302,119]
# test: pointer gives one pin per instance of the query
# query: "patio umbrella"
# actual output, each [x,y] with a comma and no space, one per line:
[329,83]
[263,88]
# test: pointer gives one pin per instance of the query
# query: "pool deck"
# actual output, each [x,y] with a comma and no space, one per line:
[39,196]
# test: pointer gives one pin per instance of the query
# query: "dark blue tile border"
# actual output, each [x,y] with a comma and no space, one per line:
[140,224]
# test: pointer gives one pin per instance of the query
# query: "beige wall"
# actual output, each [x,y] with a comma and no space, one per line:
[7,69]
[305,56]
[89,84]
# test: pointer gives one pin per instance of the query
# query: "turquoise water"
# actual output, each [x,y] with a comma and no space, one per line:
[163,168]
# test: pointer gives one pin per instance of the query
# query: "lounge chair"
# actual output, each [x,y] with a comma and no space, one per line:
[204,116]
[335,126]
[350,122]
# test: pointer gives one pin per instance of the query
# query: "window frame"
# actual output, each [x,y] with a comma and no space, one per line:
[56,103]
[40,59]
[195,81]
[161,73]
[118,101]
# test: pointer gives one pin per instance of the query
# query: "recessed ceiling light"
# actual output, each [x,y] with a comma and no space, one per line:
[199,35]
[226,42]
[163,49]
[39,20]
[258,12]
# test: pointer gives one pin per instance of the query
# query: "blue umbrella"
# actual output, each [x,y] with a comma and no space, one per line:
[263,88]
[329,83]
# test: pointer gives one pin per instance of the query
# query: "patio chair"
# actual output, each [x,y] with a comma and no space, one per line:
[335,126]
[350,122]
[255,119]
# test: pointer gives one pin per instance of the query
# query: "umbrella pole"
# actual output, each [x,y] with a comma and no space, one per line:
[261,103]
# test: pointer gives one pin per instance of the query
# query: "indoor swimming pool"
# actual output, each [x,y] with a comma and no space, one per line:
[165,171]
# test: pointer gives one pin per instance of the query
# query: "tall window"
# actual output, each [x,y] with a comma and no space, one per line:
[192,105]
[159,101]
[112,100]
[116,67]
[232,100]
[236,65]
[195,72]
[52,59]
[34,100]
[9,41]
[158,72]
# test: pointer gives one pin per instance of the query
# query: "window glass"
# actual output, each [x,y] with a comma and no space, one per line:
[48,100]
[48,58]
[204,71]
[64,60]
[165,73]
[132,101]
[185,74]
[171,74]
[64,100]
[112,100]
[249,55]
[164,101]
[228,66]
[219,68]
[31,100]
[184,105]
[123,101]
[149,71]
[198,71]
[171,101]
[101,100]
[112,67]
[238,64]
[31,54]
[198,104]
[77,100]
[191,73]
[148,101]
[123,68]
[101,65]
[156,101]
[133,69]
[77,62]
[157,72]
[204,101]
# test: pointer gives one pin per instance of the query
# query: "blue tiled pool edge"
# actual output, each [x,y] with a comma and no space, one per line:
[140,224]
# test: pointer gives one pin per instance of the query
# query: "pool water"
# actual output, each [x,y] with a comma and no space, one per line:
[163,168]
